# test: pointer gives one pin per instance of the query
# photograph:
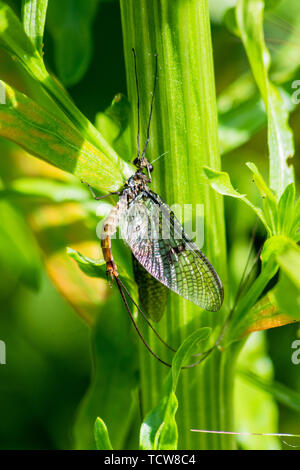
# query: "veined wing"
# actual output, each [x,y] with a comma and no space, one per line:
[153,295]
[157,240]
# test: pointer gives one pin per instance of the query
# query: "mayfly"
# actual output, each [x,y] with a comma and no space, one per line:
[174,260]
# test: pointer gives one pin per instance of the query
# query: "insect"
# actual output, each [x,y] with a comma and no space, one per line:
[157,239]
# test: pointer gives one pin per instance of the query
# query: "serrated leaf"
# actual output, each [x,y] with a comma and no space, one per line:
[101,435]
[159,429]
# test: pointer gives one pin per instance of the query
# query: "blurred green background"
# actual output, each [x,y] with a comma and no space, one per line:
[48,345]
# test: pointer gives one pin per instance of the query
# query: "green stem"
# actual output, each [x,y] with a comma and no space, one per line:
[184,125]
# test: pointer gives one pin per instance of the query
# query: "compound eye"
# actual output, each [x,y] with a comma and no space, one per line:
[150,168]
[136,161]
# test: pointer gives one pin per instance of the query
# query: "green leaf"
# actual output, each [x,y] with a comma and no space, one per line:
[220,182]
[239,124]
[101,435]
[296,222]
[243,314]
[289,261]
[249,14]
[286,209]
[113,124]
[34,17]
[70,23]
[159,429]
[270,207]
[45,136]
[18,44]
[286,295]
[91,267]
[14,39]
[47,189]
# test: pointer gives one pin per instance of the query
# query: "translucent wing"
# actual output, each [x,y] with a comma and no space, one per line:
[153,295]
[158,242]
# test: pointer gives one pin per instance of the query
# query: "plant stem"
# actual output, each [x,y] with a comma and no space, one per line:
[184,125]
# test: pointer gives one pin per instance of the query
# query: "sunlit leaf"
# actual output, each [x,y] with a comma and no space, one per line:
[101,435]
[14,39]
[34,17]
[45,136]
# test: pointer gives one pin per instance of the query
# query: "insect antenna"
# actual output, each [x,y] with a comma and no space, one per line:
[138,102]
[145,318]
[151,108]
[120,287]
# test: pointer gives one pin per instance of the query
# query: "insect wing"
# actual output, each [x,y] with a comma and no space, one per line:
[157,240]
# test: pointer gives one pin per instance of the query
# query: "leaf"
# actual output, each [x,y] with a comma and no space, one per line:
[286,209]
[289,261]
[14,39]
[113,124]
[101,435]
[49,138]
[97,268]
[91,267]
[249,15]
[17,43]
[70,23]
[266,314]
[34,17]
[220,182]
[270,208]
[242,316]
[47,189]
[282,304]
[286,295]
[239,124]
[159,429]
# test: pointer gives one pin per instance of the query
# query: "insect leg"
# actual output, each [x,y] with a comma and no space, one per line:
[120,287]
[145,318]
[98,198]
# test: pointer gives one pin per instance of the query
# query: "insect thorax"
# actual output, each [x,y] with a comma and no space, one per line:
[135,185]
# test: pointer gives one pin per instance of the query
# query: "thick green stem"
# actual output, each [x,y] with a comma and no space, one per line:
[185,126]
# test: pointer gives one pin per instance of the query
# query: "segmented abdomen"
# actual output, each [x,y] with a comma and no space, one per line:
[109,229]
